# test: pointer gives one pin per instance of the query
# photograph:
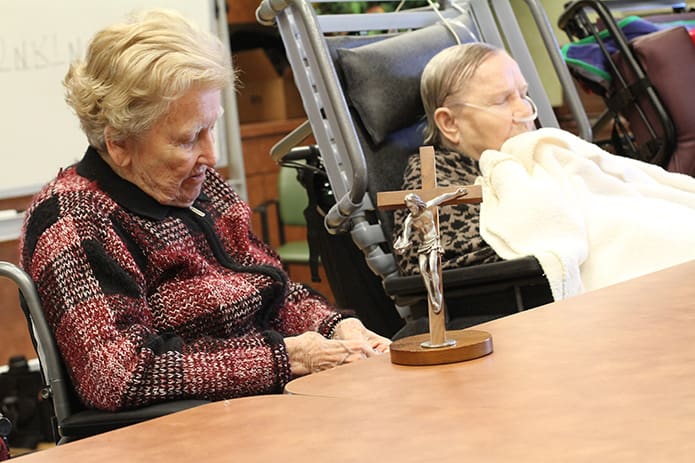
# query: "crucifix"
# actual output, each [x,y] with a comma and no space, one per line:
[423,221]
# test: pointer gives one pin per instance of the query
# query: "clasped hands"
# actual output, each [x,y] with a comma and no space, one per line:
[351,341]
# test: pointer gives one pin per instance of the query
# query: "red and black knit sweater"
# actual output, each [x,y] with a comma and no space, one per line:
[150,302]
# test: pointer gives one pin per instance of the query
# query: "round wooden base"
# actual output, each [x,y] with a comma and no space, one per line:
[470,344]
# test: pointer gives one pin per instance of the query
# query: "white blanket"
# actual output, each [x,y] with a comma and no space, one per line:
[591,218]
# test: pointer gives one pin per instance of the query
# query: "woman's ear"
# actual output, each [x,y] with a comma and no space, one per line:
[446,123]
[117,149]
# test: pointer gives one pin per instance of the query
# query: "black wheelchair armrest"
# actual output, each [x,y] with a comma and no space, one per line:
[89,422]
[470,280]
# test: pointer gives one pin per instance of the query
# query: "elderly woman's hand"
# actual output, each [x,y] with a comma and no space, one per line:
[310,352]
[353,329]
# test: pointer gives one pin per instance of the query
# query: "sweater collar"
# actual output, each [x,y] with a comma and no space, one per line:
[126,194]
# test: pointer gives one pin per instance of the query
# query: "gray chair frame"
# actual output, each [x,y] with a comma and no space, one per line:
[71,420]
[303,33]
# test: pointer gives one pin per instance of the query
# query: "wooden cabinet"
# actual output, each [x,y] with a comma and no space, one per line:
[14,335]
[242,11]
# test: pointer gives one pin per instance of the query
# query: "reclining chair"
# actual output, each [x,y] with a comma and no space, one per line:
[361,96]
[72,420]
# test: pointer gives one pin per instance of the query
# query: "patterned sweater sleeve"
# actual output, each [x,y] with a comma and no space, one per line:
[95,299]
[305,310]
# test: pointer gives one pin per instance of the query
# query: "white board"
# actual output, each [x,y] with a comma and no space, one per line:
[38,40]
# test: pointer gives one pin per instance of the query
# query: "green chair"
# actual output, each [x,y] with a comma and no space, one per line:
[292,200]
[290,204]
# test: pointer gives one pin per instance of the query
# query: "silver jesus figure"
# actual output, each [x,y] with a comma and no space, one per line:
[421,221]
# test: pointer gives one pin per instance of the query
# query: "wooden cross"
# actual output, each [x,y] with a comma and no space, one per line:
[428,191]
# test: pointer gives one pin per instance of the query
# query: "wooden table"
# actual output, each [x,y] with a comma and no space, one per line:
[607,376]
[275,428]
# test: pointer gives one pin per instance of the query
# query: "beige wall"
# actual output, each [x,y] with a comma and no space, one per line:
[553,8]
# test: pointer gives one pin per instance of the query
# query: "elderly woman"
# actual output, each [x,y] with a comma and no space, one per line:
[589,217]
[147,269]
[475,98]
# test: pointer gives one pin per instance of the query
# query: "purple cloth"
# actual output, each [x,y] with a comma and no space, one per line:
[586,59]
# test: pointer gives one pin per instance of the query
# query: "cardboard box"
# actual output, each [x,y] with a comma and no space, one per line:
[263,94]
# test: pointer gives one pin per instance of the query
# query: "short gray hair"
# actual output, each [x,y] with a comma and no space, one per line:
[132,72]
[447,73]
